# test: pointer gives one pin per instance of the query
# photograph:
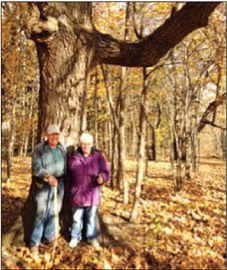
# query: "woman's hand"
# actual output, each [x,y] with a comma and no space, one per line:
[100,179]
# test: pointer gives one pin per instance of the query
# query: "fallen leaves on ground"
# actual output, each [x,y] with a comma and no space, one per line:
[174,230]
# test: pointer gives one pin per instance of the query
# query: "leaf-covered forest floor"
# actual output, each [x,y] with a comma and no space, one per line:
[174,230]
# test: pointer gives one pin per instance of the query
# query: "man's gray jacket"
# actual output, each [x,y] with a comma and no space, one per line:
[46,162]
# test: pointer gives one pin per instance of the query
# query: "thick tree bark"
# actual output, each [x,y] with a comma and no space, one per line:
[65,57]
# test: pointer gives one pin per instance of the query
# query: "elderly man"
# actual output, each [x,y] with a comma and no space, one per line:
[88,170]
[48,169]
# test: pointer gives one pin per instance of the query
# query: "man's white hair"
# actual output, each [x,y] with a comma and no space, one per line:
[86,138]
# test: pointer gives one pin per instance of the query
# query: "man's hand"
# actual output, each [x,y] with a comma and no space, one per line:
[52,181]
[100,179]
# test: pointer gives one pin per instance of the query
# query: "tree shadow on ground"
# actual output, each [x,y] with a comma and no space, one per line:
[212,161]
[155,193]
[158,176]
[109,240]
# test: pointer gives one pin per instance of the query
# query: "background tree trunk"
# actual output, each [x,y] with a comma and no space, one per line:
[141,149]
[11,141]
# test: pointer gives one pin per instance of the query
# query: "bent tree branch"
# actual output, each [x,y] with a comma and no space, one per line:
[108,50]
[148,51]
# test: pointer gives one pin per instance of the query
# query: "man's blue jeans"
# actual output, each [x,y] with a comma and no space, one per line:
[90,222]
[44,226]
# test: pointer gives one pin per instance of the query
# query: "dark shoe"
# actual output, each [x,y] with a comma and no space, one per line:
[49,243]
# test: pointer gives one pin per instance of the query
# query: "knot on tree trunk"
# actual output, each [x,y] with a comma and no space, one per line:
[42,28]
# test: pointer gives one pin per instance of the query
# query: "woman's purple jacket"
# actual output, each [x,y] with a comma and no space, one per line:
[83,172]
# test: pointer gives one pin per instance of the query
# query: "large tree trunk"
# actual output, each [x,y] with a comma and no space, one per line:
[65,58]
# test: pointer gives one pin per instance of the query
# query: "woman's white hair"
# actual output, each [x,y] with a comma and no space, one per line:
[86,137]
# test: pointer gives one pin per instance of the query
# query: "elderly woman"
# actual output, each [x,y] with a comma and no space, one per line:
[88,170]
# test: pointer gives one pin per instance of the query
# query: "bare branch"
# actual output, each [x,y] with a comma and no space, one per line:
[207,122]
[210,109]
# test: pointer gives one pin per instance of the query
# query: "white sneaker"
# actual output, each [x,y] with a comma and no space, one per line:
[73,243]
[94,242]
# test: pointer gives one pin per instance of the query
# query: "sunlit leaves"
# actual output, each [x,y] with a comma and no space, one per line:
[20,70]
